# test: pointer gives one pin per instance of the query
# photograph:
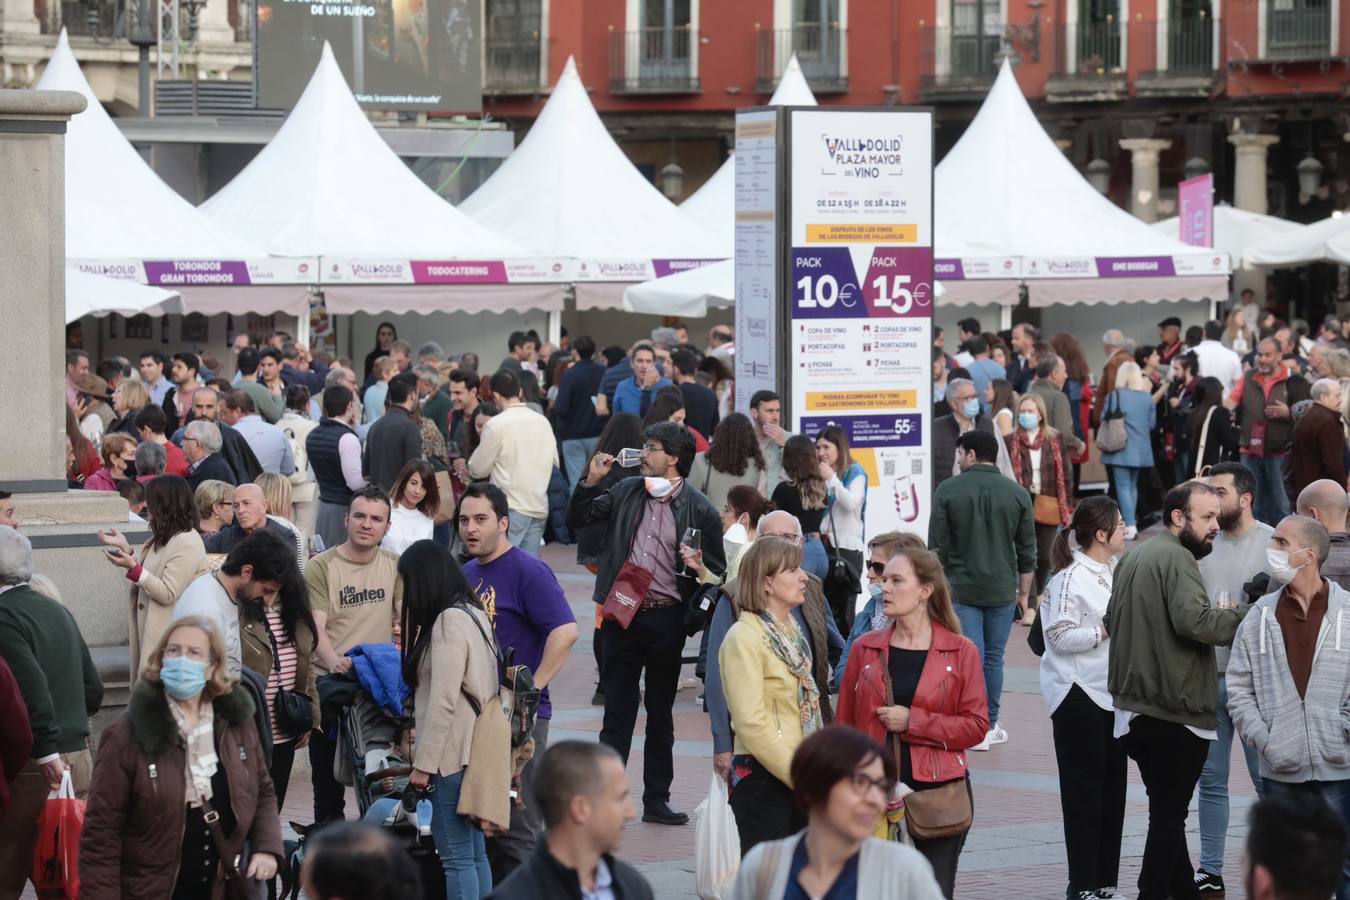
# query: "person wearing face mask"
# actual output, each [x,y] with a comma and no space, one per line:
[965,416]
[1289,674]
[184,756]
[1041,464]
[1161,674]
[880,550]
[1091,762]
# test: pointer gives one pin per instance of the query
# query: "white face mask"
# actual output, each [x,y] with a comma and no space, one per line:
[659,487]
[1280,569]
[734,539]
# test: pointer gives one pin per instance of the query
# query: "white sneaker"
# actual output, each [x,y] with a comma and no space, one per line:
[982,745]
[997,735]
[1131,533]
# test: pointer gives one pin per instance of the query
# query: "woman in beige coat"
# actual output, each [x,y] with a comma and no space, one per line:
[170,561]
[450,663]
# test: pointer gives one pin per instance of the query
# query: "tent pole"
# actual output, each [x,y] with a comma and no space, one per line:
[1004,318]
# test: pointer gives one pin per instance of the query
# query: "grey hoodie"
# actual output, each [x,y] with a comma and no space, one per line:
[1298,739]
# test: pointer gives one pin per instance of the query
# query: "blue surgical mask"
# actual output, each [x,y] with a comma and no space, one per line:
[1028,421]
[971,408]
[183,678]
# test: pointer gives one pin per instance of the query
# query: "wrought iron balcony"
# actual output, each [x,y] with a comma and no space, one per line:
[956,59]
[512,67]
[1089,49]
[820,49]
[1300,33]
[657,60]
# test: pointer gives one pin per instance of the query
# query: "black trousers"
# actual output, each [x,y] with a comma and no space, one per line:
[330,795]
[763,809]
[654,641]
[943,854]
[1170,759]
[283,758]
[1092,772]
[1045,536]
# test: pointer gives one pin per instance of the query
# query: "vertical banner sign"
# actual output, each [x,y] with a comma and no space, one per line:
[860,296]
[1195,199]
[757,257]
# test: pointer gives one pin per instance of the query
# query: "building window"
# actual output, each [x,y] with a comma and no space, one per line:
[514,30]
[816,38]
[1298,29]
[666,30]
[1098,40]
[976,31]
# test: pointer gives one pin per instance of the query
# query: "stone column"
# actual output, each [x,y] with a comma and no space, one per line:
[17,16]
[213,24]
[1144,181]
[1249,190]
[61,524]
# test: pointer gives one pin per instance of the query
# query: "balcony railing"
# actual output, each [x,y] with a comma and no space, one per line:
[107,20]
[1178,47]
[1089,49]
[512,66]
[1298,33]
[658,60]
[958,57]
[820,49]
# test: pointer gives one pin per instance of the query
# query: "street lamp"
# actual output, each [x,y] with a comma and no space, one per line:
[1099,175]
[194,9]
[672,180]
[1195,167]
[1309,175]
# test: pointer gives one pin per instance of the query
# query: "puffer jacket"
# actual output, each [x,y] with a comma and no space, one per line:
[949,714]
[1299,739]
[137,807]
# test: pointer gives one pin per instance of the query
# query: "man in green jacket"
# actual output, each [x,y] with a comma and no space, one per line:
[983,531]
[61,688]
[1162,675]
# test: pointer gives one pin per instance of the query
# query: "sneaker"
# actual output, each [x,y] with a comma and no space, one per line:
[997,735]
[1131,533]
[982,745]
[1109,893]
[1208,883]
[1082,895]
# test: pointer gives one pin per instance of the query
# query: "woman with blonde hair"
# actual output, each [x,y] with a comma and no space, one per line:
[1041,464]
[917,688]
[1132,401]
[129,398]
[215,505]
[181,782]
[771,694]
[1238,334]
[276,490]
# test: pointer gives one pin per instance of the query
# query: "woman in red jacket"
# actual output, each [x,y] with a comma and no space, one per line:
[917,687]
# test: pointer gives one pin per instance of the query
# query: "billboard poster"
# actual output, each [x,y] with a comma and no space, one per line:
[418,55]
[758,266]
[1195,201]
[860,297]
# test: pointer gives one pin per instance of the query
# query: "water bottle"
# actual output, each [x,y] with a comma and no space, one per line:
[628,458]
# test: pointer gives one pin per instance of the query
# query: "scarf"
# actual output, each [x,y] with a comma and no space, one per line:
[1024,445]
[199,742]
[788,644]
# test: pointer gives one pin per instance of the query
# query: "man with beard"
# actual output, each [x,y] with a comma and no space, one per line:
[1238,556]
[253,573]
[1162,676]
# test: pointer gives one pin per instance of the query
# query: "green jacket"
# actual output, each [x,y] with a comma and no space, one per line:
[1163,633]
[269,405]
[983,531]
[42,644]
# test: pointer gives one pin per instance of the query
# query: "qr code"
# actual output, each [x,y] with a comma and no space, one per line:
[889,469]
[916,466]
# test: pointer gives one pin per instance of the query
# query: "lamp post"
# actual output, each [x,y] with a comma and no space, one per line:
[1099,175]
[1309,175]
[194,9]
[1195,167]
[143,39]
[672,180]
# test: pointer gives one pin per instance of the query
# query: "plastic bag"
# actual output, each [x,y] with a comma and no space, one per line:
[56,859]
[717,844]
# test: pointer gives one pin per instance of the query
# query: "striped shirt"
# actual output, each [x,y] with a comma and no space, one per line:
[285,649]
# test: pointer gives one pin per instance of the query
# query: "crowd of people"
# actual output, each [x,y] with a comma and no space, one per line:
[313,523]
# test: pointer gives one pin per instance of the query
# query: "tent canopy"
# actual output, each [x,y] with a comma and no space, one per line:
[1324,241]
[328,185]
[713,205]
[569,191]
[1008,200]
[117,208]
[1235,230]
[95,295]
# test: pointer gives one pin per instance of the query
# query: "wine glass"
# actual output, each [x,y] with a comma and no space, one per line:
[692,541]
[1223,599]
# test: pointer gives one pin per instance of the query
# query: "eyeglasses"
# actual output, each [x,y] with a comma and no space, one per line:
[861,783]
[653,448]
[876,568]
[790,538]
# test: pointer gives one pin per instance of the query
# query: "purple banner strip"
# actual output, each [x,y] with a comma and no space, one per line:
[186,273]
[903,430]
[1134,266]
[458,271]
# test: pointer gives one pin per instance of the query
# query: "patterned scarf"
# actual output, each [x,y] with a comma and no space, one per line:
[1052,446]
[199,742]
[788,644]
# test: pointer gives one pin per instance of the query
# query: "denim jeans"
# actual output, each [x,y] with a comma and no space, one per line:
[576,453]
[1337,795]
[459,843]
[525,532]
[1126,482]
[814,558]
[1214,787]
[988,627]
[1271,503]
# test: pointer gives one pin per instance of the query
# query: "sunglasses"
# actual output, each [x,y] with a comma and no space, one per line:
[876,568]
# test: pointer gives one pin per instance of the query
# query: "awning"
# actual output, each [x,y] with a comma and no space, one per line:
[427,298]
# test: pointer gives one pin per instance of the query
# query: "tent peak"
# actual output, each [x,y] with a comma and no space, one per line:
[793,89]
[569,68]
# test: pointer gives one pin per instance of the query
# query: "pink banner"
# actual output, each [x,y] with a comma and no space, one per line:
[1195,199]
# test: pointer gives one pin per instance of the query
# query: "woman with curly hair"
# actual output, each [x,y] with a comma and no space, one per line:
[804,494]
[733,458]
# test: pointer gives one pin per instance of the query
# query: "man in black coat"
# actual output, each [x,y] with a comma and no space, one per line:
[202,445]
[647,518]
[395,439]
[582,793]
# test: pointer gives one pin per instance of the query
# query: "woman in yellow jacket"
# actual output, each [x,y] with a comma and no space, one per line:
[772,697]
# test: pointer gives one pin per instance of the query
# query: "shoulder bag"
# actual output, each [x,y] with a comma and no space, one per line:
[294,709]
[1204,439]
[1111,434]
[629,588]
[841,578]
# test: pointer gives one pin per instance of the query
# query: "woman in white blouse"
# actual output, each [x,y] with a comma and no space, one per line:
[415,500]
[1073,683]
[846,482]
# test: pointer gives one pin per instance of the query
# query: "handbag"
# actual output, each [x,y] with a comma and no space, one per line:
[1204,439]
[939,812]
[516,683]
[1045,509]
[841,578]
[1036,634]
[445,510]
[235,888]
[1111,434]
[294,709]
[630,586]
[56,853]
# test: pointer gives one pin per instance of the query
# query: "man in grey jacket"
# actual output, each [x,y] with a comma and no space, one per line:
[1289,674]
[1051,374]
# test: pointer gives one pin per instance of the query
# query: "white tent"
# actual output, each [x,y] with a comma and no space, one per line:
[568,190]
[122,219]
[1011,207]
[686,294]
[95,295]
[713,205]
[1235,230]
[1324,241]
